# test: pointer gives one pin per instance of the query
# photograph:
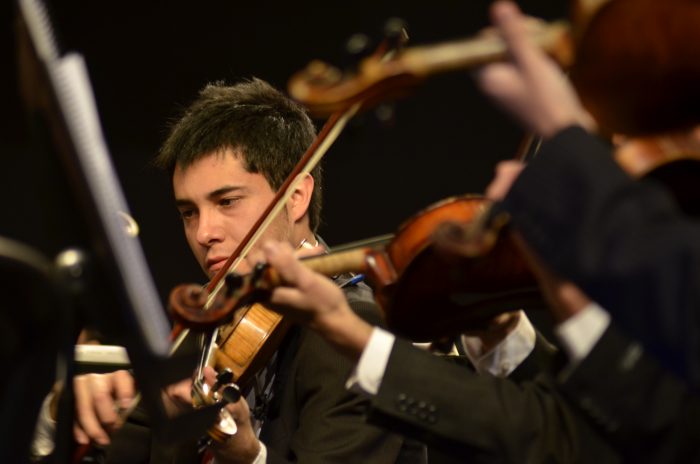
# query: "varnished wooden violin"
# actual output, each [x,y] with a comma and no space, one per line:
[324,89]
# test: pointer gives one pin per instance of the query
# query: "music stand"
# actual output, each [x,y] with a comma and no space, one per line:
[110,273]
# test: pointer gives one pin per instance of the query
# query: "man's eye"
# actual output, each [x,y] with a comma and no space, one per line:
[186,214]
[227,201]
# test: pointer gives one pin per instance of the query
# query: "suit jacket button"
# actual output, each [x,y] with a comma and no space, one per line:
[586,403]
[401,402]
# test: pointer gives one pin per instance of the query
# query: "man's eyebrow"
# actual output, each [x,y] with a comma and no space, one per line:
[224,190]
[182,203]
[214,194]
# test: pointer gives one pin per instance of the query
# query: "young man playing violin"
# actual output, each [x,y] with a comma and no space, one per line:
[229,154]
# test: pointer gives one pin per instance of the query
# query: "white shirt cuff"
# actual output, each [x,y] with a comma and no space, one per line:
[505,357]
[262,455]
[369,372]
[580,333]
[43,442]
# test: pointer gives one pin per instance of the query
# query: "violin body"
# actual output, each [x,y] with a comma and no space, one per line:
[247,343]
[248,334]
[438,293]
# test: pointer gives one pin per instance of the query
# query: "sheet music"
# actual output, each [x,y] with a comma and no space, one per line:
[73,90]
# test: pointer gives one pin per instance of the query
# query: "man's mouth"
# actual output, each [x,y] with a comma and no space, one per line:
[215,264]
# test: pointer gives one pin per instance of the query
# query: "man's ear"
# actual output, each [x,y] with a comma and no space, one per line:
[298,204]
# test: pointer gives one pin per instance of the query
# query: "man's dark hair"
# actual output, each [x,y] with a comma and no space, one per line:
[270,131]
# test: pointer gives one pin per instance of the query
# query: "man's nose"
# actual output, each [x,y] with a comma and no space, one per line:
[209,229]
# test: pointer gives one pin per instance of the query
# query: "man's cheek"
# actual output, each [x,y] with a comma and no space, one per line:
[254,257]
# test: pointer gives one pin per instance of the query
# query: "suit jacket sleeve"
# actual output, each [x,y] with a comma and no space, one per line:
[473,416]
[647,413]
[625,242]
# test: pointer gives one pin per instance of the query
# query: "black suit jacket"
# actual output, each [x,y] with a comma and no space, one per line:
[646,412]
[314,418]
[624,242]
[481,418]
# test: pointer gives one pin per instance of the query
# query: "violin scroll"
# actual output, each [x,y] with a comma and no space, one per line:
[187,302]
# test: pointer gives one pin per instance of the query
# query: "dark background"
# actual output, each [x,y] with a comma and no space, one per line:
[147,61]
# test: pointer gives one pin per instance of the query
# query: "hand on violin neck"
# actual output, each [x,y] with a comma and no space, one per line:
[304,249]
[531,86]
[313,299]
[243,447]
[233,445]
[506,174]
[177,398]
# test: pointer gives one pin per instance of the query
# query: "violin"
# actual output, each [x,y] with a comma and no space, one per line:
[324,89]
[631,83]
[408,275]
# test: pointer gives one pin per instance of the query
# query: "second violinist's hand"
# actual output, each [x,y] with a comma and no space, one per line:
[98,399]
[177,398]
[531,86]
[315,300]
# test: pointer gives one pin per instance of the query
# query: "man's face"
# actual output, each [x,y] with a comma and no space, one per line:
[219,201]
